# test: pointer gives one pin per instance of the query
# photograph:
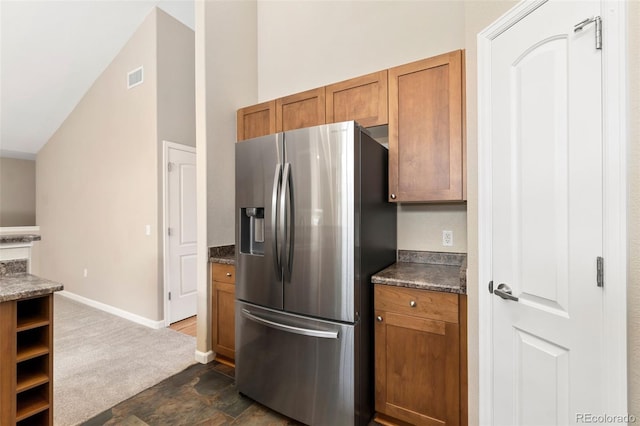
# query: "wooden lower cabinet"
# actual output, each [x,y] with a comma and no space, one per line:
[418,360]
[26,361]
[223,302]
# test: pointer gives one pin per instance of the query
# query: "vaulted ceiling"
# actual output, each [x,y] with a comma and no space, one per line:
[52,51]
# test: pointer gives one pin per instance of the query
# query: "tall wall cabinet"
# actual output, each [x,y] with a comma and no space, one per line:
[426,130]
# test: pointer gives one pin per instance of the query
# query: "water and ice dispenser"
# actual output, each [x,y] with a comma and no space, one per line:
[252,230]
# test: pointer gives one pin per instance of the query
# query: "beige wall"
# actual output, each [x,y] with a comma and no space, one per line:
[17,192]
[176,81]
[633,280]
[98,185]
[338,40]
[231,83]
[226,80]
[175,107]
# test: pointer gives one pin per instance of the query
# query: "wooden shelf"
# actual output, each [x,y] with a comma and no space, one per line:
[26,328]
[32,351]
[31,380]
[30,404]
[31,322]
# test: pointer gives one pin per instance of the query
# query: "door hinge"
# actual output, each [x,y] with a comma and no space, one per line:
[600,271]
[598,21]
[170,166]
[491,286]
[169,295]
[169,231]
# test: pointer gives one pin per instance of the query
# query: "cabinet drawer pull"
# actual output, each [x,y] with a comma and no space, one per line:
[228,274]
[413,303]
[393,196]
[379,318]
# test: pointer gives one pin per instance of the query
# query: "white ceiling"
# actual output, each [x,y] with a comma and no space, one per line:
[52,51]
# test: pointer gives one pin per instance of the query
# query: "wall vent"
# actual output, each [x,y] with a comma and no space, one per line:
[135,77]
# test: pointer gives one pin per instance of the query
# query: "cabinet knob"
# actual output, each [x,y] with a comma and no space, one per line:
[393,196]
[413,303]
[379,318]
[228,274]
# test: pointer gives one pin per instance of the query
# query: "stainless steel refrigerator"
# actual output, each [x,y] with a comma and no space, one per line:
[313,224]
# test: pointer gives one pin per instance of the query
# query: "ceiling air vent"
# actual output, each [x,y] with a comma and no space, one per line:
[135,77]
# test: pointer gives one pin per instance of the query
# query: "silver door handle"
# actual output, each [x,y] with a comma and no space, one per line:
[274,223]
[290,328]
[287,231]
[504,291]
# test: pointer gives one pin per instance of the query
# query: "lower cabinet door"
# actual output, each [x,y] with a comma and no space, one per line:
[224,319]
[417,369]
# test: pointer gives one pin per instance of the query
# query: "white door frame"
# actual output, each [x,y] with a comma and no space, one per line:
[615,110]
[165,221]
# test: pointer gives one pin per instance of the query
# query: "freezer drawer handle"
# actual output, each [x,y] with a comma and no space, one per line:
[289,328]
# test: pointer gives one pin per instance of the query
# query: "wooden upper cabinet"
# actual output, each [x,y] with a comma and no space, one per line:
[300,110]
[426,130]
[363,99]
[256,120]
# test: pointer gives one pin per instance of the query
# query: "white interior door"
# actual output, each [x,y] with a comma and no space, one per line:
[181,221]
[547,214]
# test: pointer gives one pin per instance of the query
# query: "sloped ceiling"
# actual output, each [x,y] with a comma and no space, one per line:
[51,52]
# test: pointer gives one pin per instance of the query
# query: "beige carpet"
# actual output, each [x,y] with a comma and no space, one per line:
[101,359]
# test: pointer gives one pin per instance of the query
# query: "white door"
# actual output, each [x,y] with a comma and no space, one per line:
[547,215]
[181,221]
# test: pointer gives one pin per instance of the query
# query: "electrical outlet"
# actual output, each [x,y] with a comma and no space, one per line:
[85,272]
[447,238]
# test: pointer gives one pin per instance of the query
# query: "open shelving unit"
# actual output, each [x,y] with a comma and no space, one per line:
[26,361]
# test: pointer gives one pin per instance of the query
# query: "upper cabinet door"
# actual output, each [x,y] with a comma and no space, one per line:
[256,120]
[363,99]
[425,130]
[300,110]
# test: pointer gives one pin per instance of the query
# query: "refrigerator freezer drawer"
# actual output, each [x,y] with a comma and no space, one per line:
[301,367]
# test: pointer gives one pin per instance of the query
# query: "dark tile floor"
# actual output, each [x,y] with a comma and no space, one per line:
[202,394]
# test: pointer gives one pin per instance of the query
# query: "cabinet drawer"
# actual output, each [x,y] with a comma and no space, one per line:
[420,303]
[223,273]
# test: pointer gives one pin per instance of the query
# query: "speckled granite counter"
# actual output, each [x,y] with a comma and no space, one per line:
[18,238]
[23,285]
[223,254]
[436,271]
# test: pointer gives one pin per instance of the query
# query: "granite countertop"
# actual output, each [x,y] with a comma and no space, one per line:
[435,271]
[223,254]
[23,285]
[19,238]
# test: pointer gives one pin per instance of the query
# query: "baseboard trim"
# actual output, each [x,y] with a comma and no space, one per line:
[205,357]
[113,310]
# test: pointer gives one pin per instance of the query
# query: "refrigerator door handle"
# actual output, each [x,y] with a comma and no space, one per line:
[287,221]
[277,264]
[289,328]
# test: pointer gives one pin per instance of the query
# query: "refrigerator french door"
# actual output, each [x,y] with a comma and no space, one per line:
[313,225]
